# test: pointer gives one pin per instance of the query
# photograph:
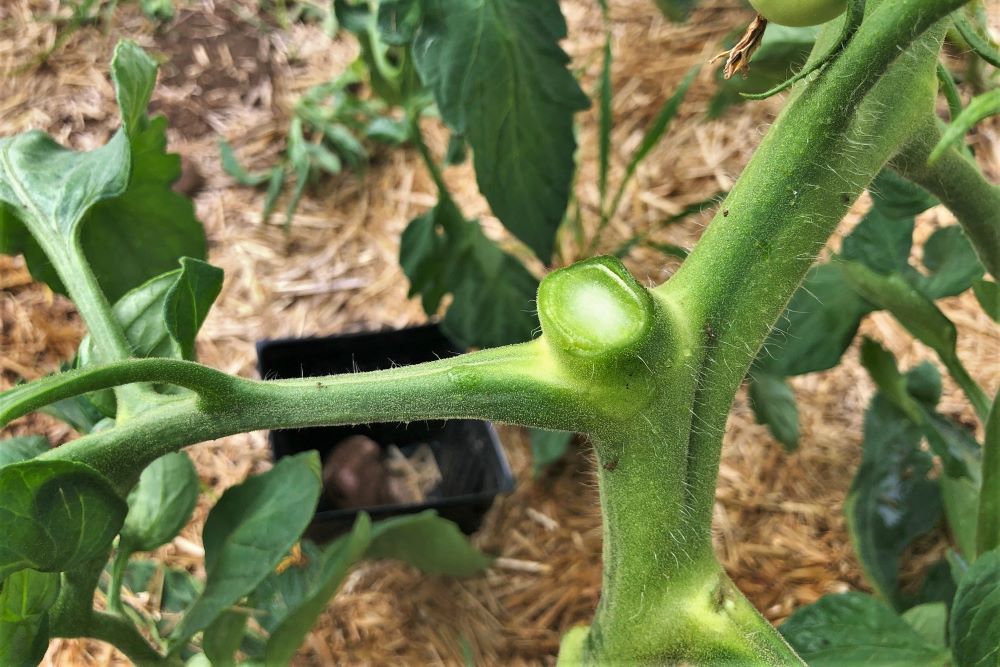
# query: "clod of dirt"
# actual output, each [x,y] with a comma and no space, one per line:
[353,475]
[213,58]
[191,181]
[359,473]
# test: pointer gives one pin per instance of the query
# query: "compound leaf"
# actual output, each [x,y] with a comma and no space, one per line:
[429,543]
[857,629]
[975,614]
[56,515]
[161,504]
[501,79]
[60,195]
[248,532]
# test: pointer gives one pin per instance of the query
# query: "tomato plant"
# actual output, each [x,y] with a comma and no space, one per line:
[647,373]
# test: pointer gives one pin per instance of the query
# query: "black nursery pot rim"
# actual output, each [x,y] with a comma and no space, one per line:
[473,465]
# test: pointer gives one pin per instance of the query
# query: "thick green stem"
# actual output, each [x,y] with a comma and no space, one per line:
[102,325]
[957,181]
[73,616]
[824,149]
[519,384]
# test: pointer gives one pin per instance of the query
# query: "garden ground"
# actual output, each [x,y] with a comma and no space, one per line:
[778,521]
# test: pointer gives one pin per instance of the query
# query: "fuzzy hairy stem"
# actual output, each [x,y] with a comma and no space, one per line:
[956,180]
[519,384]
[824,149]
[73,616]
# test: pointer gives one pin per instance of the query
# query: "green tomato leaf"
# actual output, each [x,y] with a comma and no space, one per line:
[22,448]
[818,326]
[880,242]
[223,638]
[161,317]
[961,493]
[915,312]
[493,293]
[27,594]
[547,447]
[952,261]
[83,413]
[947,444]
[493,300]
[333,567]
[975,614]
[24,643]
[773,403]
[920,316]
[979,107]
[486,62]
[134,74]
[896,197]
[56,515]
[892,501]
[857,629]
[125,254]
[161,504]
[388,130]
[282,592]
[51,188]
[930,620]
[429,543]
[189,300]
[248,532]
[60,195]
[988,295]
[397,21]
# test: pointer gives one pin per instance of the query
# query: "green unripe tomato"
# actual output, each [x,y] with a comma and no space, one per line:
[799,13]
[594,309]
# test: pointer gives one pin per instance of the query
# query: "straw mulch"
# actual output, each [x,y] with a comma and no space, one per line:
[779,516]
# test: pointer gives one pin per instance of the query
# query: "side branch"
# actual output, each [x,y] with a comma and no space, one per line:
[207,382]
[956,180]
[516,384]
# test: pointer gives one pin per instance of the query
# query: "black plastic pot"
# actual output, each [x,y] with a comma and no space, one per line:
[473,465]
